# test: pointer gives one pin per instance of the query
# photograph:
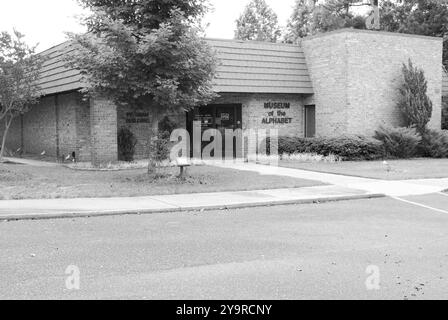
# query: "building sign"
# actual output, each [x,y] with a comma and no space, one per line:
[278,113]
[206,120]
[277,105]
[137,117]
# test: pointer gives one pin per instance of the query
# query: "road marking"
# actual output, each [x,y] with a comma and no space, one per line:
[443,194]
[420,205]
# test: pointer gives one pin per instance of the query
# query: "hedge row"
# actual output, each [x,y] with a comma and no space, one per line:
[399,143]
[348,148]
[403,143]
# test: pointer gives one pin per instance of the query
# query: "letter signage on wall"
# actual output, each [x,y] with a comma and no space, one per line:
[277,105]
[137,117]
[278,113]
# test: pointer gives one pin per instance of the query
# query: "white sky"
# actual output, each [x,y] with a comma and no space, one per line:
[45,21]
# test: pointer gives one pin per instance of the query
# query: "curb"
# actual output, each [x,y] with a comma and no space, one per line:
[93,214]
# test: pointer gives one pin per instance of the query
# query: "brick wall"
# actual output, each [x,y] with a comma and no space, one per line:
[58,125]
[103,130]
[39,128]
[66,135]
[141,130]
[88,128]
[83,130]
[356,75]
[253,111]
[327,63]
[14,139]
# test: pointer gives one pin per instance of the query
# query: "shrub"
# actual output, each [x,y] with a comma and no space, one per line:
[160,149]
[347,148]
[126,145]
[414,102]
[435,144]
[399,142]
[167,126]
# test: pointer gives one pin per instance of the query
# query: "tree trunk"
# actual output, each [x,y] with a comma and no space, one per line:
[152,140]
[5,133]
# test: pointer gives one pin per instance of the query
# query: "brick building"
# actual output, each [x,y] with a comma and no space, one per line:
[445,100]
[339,83]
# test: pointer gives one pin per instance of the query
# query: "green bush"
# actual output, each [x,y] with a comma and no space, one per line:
[126,145]
[435,144]
[167,126]
[161,147]
[348,148]
[399,143]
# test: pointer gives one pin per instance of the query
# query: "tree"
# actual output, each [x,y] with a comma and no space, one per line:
[414,102]
[300,23]
[147,54]
[19,72]
[422,17]
[312,16]
[258,22]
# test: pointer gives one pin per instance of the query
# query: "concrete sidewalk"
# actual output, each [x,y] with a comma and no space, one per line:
[30,162]
[68,208]
[341,188]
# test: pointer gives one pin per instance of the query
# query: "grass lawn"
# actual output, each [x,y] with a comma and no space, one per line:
[397,169]
[28,182]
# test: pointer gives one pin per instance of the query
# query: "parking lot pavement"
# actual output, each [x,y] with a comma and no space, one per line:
[314,251]
[436,202]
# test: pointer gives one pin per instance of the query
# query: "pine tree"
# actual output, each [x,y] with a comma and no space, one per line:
[300,22]
[414,102]
[258,22]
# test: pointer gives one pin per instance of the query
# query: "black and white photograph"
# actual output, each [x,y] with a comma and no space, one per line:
[223,156]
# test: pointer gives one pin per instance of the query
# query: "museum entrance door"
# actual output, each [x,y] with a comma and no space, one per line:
[217,116]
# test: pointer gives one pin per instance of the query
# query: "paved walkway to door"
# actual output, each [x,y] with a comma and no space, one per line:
[389,188]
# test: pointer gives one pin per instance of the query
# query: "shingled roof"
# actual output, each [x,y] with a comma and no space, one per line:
[261,67]
[55,75]
[245,67]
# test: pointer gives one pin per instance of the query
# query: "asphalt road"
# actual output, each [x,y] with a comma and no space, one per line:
[319,251]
